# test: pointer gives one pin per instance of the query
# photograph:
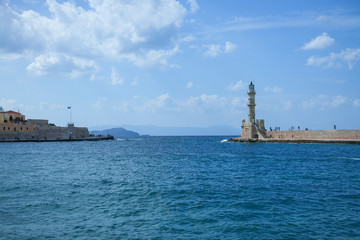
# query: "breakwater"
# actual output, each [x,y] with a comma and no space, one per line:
[346,134]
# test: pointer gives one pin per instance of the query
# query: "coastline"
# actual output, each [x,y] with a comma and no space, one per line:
[100,138]
[272,140]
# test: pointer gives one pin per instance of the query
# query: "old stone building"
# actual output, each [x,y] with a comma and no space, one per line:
[14,126]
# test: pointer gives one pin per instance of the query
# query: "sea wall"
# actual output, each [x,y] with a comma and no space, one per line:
[348,134]
[45,132]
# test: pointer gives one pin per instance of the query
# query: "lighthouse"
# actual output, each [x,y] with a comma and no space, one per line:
[251,103]
[254,128]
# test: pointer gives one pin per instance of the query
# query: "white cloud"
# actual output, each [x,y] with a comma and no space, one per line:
[189,85]
[115,78]
[61,64]
[7,103]
[349,56]
[323,101]
[103,103]
[49,106]
[99,104]
[92,77]
[286,106]
[164,103]
[193,5]
[204,102]
[135,82]
[153,57]
[12,104]
[308,104]
[188,38]
[154,104]
[274,89]
[356,103]
[213,50]
[229,47]
[295,19]
[142,34]
[239,85]
[239,102]
[338,101]
[281,106]
[320,42]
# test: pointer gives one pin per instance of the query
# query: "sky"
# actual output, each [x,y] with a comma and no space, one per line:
[185,63]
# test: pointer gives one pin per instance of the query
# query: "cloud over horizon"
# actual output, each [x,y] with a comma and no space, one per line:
[335,60]
[323,101]
[72,35]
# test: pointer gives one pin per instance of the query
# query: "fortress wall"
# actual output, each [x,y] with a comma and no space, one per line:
[53,133]
[47,133]
[17,135]
[56,133]
[315,134]
[38,122]
[80,132]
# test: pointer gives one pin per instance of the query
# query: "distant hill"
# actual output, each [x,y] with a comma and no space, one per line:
[116,132]
[180,131]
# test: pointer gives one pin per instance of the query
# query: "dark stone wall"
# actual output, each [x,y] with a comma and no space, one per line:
[47,133]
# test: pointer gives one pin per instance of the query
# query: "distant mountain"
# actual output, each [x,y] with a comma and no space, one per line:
[116,132]
[181,131]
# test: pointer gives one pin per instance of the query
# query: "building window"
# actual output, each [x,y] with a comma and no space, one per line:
[8,128]
[14,129]
[4,128]
[21,128]
[27,128]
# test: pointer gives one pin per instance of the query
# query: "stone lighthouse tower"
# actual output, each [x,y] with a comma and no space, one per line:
[251,103]
[253,128]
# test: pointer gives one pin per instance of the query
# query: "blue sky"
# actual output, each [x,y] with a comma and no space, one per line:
[182,63]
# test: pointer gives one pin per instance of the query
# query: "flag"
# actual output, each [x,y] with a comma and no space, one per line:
[68,107]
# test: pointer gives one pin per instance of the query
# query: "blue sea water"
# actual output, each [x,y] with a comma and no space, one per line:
[179,188]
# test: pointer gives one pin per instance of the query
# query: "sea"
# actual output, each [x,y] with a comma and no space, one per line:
[179,188]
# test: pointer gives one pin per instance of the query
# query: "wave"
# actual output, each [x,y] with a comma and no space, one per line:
[350,158]
[128,139]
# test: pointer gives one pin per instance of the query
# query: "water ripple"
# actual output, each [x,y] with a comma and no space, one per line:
[179,188]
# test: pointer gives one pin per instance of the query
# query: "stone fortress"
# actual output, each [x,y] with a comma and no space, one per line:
[254,130]
[15,127]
